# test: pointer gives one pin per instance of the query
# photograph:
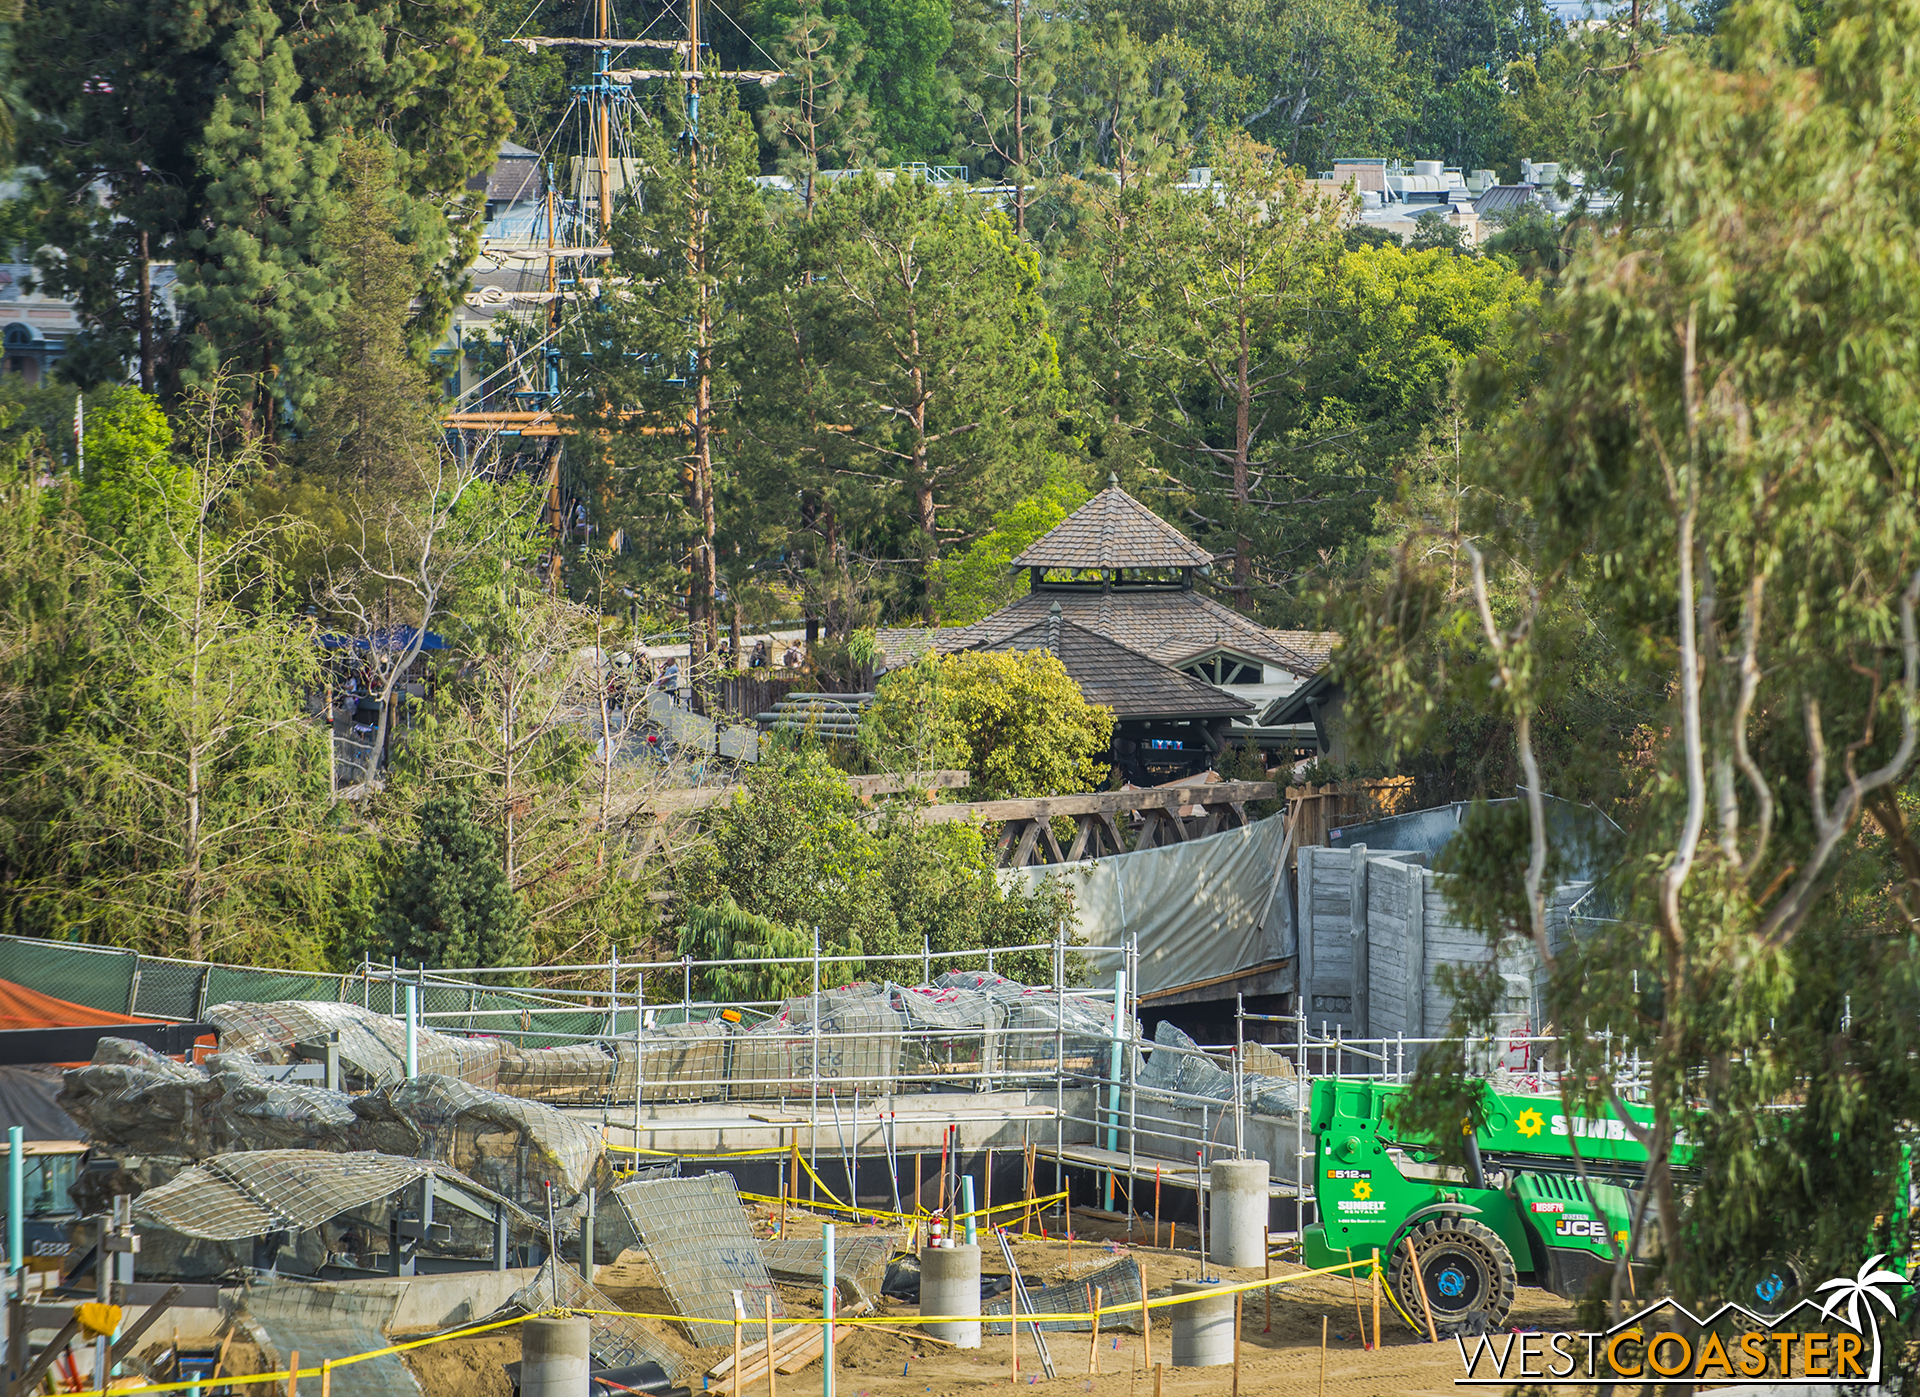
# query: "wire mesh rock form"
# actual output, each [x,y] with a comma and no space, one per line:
[1196,1074]
[132,1099]
[327,1323]
[1118,1283]
[696,1235]
[257,1192]
[616,1341]
[262,1191]
[373,1047]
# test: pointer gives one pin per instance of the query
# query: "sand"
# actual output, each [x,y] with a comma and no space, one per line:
[874,1364]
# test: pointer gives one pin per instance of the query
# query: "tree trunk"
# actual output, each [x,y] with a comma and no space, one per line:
[1242,444]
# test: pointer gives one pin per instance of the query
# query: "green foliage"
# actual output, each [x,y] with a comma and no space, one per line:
[1432,230]
[1714,482]
[797,852]
[218,138]
[978,580]
[450,904]
[132,474]
[372,424]
[1016,720]
[724,932]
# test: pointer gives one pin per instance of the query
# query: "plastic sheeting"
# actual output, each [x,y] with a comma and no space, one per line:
[1201,1075]
[1196,909]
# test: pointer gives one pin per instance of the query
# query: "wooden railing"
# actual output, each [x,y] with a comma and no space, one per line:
[1321,809]
[1107,822]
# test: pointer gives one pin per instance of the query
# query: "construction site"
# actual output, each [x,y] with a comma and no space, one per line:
[599,1178]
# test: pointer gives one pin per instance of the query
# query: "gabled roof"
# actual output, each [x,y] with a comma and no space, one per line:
[1113,530]
[1168,624]
[1129,683]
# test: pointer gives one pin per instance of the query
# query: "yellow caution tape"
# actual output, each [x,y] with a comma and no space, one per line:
[1164,1302]
[838,1207]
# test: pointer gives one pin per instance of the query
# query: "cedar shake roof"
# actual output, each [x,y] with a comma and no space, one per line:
[1113,530]
[1168,624]
[1129,683]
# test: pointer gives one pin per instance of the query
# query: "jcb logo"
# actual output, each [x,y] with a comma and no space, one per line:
[1580,1227]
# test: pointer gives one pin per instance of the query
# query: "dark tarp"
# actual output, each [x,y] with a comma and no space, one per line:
[26,1100]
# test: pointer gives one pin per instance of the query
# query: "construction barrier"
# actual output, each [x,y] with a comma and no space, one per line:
[875,1321]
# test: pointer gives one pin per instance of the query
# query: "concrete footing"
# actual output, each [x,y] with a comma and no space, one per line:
[1202,1329]
[1237,1190]
[555,1357]
[950,1285]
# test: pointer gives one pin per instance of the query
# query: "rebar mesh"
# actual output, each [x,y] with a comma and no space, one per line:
[680,1062]
[1118,1283]
[574,1072]
[616,1341]
[255,1192]
[696,1235]
[262,1191]
[329,1324]
[859,1260]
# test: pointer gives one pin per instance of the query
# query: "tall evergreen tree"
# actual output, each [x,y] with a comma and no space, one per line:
[450,904]
[207,137]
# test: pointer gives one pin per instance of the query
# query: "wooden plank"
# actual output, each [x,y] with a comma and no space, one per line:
[1417,954]
[1023,855]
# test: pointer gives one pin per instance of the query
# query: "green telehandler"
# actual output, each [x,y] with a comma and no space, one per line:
[1518,1213]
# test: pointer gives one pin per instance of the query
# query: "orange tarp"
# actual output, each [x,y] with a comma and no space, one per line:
[21,1007]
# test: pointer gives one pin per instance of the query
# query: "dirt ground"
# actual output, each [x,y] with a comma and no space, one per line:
[872,1363]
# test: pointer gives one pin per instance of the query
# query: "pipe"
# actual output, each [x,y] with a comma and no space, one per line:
[828,1296]
[16,1199]
[413,1032]
[966,1207]
[1113,1076]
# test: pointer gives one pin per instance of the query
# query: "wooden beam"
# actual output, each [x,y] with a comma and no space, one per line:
[1053,845]
[1110,827]
[1083,830]
[1024,854]
[1097,802]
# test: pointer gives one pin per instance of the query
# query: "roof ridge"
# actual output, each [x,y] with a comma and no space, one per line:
[1113,530]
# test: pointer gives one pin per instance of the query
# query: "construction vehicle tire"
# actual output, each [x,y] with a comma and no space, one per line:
[1468,1272]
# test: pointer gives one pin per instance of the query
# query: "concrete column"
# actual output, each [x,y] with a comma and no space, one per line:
[950,1285]
[1202,1329]
[1238,1190]
[554,1357]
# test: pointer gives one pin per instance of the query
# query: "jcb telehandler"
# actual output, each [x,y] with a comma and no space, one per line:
[1518,1213]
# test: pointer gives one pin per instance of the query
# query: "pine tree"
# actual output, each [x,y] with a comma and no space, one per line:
[815,114]
[450,904]
[372,420]
[256,274]
[207,137]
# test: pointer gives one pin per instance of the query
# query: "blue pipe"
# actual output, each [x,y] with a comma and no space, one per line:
[16,1199]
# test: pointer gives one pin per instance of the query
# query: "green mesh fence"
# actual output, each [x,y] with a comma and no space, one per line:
[168,989]
[97,978]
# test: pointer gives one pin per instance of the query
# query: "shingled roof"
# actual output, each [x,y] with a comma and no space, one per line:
[1133,686]
[1113,530]
[1168,624]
